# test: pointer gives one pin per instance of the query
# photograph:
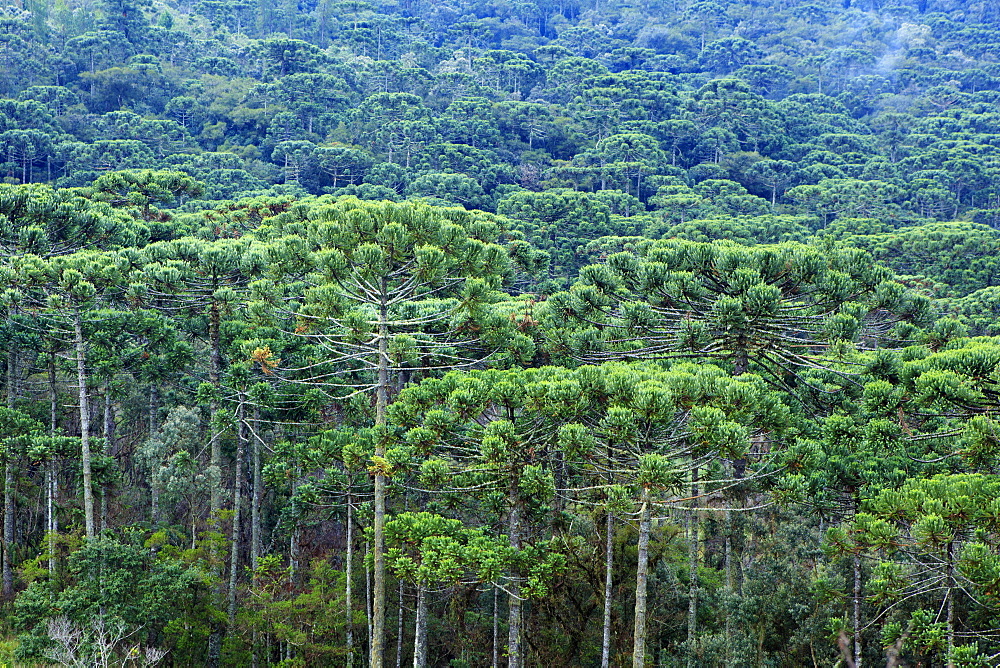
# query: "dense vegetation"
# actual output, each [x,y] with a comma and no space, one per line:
[480,333]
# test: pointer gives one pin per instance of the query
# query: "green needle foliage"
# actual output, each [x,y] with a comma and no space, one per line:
[499,334]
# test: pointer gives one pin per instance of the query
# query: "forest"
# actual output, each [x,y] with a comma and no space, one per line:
[465,333]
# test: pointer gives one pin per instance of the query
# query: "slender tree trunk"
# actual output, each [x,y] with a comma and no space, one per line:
[609,554]
[294,552]
[154,499]
[50,514]
[368,597]
[378,523]
[8,489]
[81,379]
[108,428]
[950,615]
[349,573]
[8,527]
[641,575]
[104,509]
[730,594]
[214,646]
[214,366]
[154,484]
[52,524]
[692,632]
[420,628]
[515,659]
[399,627]
[857,611]
[53,395]
[258,492]
[234,557]
[215,463]
[255,502]
[154,402]
[496,628]
[108,431]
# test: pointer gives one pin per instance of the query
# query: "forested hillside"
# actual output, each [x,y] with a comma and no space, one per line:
[536,333]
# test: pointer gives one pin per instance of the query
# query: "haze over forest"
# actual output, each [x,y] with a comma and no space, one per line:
[514,333]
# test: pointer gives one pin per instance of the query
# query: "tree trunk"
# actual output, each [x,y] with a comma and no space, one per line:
[368,596]
[234,557]
[215,463]
[8,488]
[609,554]
[349,572]
[257,494]
[214,366]
[154,500]
[420,629]
[378,523]
[104,510]
[8,527]
[52,524]
[857,611]
[950,618]
[399,627]
[81,379]
[515,660]
[496,628]
[53,396]
[214,646]
[50,513]
[641,575]
[154,401]
[294,552]
[108,428]
[692,632]
[730,594]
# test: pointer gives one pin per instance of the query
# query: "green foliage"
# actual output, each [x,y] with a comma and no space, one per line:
[117,580]
[317,261]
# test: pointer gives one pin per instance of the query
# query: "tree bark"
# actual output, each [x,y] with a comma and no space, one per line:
[8,490]
[399,627]
[8,527]
[378,523]
[103,524]
[214,646]
[950,618]
[214,366]
[52,474]
[515,659]
[257,494]
[81,378]
[294,551]
[641,576]
[108,428]
[609,554]
[692,632]
[349,572]
[420,629]
[730,594]
[368,596]
[234,557]
[857,611]
[496,629]
[154,400]
[50,513]
[154,499]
